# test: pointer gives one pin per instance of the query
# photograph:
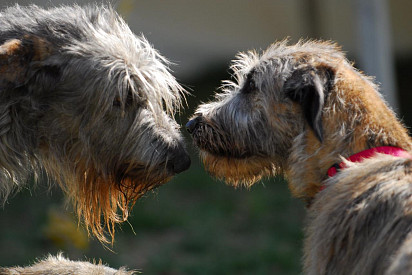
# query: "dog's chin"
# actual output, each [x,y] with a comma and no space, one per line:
[237,171]
[112,197]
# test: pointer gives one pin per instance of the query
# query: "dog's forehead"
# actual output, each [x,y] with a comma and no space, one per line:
[302,48]
[143,63]
[108,45]
[281,57]
[269,69]
[279,60]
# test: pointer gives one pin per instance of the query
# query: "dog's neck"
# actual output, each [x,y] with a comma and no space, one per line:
[353,120]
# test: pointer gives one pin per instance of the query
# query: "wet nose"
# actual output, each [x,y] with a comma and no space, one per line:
[192,124]
[180,161]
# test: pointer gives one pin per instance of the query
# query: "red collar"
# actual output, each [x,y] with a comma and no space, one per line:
[359,157]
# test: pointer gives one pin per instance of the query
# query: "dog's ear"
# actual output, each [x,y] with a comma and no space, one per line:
[309,87]
[17,56]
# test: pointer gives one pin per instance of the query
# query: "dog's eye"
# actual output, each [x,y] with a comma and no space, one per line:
[249,85]
[141,97]
[132,98]
[119,102]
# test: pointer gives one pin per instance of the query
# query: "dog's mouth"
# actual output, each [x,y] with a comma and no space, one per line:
[139,172]
[130,172]
[140,179]
[218,143]
[159,173]
[223,153]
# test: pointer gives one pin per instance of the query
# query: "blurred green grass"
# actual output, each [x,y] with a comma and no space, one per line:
[192,225]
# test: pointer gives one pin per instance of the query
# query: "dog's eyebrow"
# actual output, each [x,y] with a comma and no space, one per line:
[249,84]
[250,74]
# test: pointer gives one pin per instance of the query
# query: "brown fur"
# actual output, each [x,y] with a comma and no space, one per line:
[297,110]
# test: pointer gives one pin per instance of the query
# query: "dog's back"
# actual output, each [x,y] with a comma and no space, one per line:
[361,222]
[59,265]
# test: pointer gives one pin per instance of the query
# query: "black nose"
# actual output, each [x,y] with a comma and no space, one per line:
[180,161]
[192,124]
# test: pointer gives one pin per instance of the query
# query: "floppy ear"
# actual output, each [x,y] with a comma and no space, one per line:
[20,60]
[17,56]
[309,88]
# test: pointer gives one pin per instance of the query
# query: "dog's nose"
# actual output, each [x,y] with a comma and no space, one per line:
[180,161]
[192,124]
[182,164]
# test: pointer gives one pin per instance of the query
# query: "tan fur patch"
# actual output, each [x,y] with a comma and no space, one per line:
[16,56]
[238,172]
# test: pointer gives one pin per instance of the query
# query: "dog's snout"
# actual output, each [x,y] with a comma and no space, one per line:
[192,124]
[180,161]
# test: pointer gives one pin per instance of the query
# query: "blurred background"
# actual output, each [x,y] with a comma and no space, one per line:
[195,224]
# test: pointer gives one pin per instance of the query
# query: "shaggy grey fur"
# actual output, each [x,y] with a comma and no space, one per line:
[91,104]
[60,266]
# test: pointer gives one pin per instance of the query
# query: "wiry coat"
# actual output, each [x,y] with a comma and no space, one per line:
[362,222]
[91,104]
[297,110]
[60,266]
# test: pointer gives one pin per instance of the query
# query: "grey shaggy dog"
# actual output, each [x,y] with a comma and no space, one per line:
[89,103]
[296,110]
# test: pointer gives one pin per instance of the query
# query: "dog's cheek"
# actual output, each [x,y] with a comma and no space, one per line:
[284,122]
